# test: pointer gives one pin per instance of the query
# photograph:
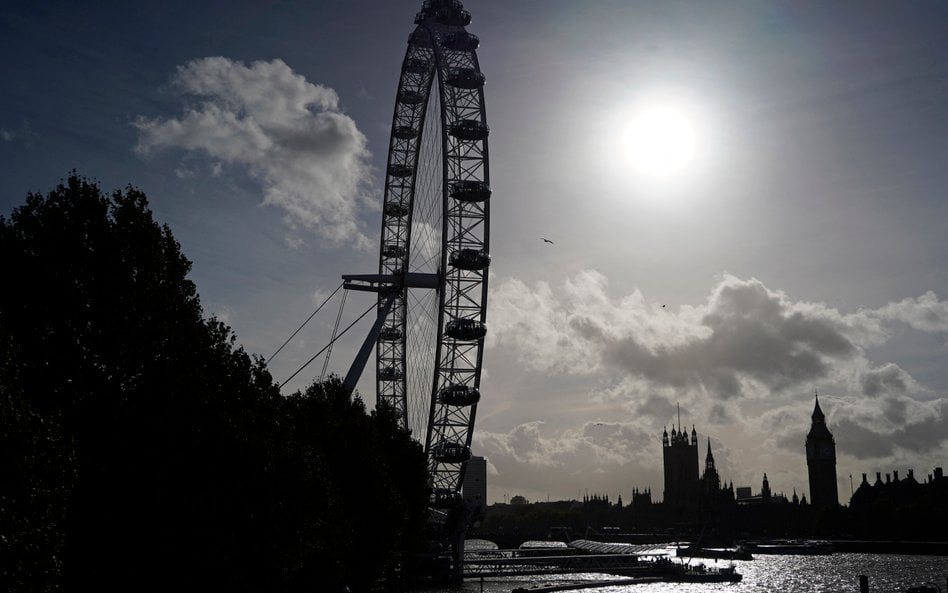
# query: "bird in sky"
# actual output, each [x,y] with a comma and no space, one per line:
[545,240]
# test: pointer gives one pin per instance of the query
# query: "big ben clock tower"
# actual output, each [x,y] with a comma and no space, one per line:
[821,461]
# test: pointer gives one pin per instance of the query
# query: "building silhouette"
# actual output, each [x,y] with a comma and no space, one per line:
[683,488]
[821,461]
[474,487]
[680,456]
[710,480]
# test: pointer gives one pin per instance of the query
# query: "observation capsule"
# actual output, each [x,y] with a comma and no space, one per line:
[469,129]
[411,97]
[404,132]
[396,209]
[419,38]
[393,251]
[439,4]
[470,259]
[470,191]
[399,170]
[390,333]
[462,41]
[453,16]
[390,374]
[465,329]
[451,452]
[416,66]
[465,78]
[445,498]
[459,395]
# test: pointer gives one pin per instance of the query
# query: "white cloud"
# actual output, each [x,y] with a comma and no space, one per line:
[288,133]
[925,313]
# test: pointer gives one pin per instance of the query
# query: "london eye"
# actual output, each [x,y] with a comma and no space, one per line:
[434,247]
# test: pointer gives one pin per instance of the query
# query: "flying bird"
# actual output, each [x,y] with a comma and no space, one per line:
[545,240]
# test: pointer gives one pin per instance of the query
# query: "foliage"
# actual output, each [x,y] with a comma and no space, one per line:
[142,448]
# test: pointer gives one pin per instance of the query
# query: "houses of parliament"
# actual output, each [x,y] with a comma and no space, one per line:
[891,500]
[684,487]
[701,504]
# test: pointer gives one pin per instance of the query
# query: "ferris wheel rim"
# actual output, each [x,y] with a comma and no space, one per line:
[441,58]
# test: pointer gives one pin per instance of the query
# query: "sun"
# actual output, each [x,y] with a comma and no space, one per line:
[659,141]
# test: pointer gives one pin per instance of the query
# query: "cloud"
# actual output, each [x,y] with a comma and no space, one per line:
[888,378]
[743,364]
[745,340]
[538,458]
[288,133]
[926,313]
[23,134]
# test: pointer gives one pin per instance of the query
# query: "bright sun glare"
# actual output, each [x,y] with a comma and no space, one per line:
[659,141]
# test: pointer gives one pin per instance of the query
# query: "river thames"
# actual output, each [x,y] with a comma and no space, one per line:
[888,573]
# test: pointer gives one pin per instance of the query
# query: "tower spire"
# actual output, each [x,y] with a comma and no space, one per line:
[817,411]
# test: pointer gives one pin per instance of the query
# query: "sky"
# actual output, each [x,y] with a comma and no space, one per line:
[800,249]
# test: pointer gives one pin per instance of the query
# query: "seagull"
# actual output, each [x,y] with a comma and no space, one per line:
[545,240]
[663,306]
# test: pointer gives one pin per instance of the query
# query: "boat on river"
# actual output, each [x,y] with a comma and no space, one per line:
[666,570]
[737,553]
[790,547]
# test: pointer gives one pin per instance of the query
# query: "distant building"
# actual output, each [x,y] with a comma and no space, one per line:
[680,456]
[596,500]
[902,508]
[474,486]
[895,492]
[711,492]
[711,480]
[641,498]
[821,461]
[765,497]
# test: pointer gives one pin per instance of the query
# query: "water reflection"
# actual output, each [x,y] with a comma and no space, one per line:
[769,574]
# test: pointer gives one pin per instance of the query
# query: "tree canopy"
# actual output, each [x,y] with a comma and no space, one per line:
[142,448]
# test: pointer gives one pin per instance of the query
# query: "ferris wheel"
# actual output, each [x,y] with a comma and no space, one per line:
[434,248]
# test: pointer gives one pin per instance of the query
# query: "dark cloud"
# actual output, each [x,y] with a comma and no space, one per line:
[753,334]
[886,379]
[920,435]
[720,414]
[656,407]
[927,433]
[861,442]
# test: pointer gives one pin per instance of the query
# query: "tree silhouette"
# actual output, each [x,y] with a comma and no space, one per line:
[142,448]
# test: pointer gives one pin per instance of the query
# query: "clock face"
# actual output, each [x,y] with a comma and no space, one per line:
[826,450]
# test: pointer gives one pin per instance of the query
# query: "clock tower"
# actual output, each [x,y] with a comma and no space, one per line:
[821,461]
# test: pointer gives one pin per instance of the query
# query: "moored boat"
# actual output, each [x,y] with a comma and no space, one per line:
[738,553]
[790,547]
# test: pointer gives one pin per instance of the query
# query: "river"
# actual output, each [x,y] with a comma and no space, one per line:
[836,573]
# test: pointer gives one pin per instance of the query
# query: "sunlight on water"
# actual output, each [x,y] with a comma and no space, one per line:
[837,573]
